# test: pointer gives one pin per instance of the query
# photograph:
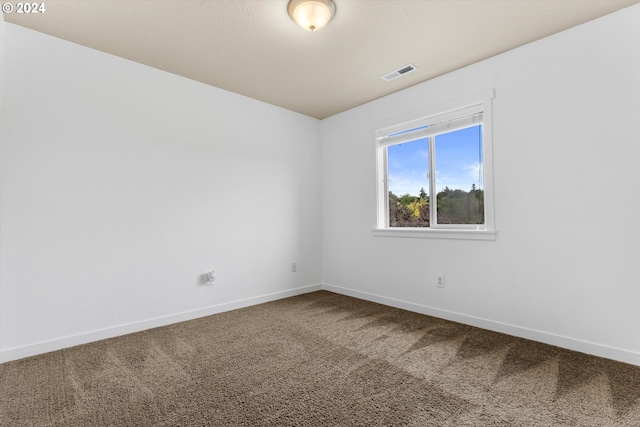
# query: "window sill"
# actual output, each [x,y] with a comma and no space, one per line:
[431,233]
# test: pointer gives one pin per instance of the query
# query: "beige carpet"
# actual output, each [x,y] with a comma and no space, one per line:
[319,359]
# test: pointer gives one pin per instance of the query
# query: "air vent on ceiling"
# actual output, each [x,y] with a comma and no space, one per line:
[399,72]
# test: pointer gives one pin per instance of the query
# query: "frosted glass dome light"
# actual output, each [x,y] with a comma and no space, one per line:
[312,15]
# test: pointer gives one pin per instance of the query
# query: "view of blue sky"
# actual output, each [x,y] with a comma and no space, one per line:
[458,163]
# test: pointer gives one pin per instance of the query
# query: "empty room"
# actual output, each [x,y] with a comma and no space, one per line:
[320,213]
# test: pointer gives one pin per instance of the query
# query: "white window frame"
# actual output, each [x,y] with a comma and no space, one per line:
[438,119]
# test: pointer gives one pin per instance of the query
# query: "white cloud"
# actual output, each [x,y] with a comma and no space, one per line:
[474,171]
[401,184]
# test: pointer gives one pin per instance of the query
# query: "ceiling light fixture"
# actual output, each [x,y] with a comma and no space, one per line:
[312,15]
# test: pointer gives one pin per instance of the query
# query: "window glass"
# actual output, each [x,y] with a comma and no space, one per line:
[408,183]
[458,176]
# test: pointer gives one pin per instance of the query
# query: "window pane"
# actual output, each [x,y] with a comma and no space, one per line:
[407,169]
[459,180]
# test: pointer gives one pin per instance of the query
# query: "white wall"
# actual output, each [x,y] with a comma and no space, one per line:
[122,184]
[564,268]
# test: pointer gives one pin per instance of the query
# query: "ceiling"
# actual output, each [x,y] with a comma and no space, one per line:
[253,48]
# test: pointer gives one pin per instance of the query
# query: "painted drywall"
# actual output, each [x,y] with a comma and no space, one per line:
[121,185]
[564,267]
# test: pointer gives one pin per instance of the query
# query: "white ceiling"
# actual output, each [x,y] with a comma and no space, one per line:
[253,48]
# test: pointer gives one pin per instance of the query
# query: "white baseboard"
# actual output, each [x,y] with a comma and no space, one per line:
[70,341]
[595,349]
[569,343]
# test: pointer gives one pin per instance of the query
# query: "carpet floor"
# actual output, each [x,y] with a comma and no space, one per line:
[319,359]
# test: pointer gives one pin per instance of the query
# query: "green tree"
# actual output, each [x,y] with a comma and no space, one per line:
[460,207]
[407,199]
[408,211]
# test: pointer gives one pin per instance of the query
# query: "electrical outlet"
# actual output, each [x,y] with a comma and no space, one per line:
[211,277]
[294,267]
[440,280]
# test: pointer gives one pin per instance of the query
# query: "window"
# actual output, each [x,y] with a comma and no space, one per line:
[434,174]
